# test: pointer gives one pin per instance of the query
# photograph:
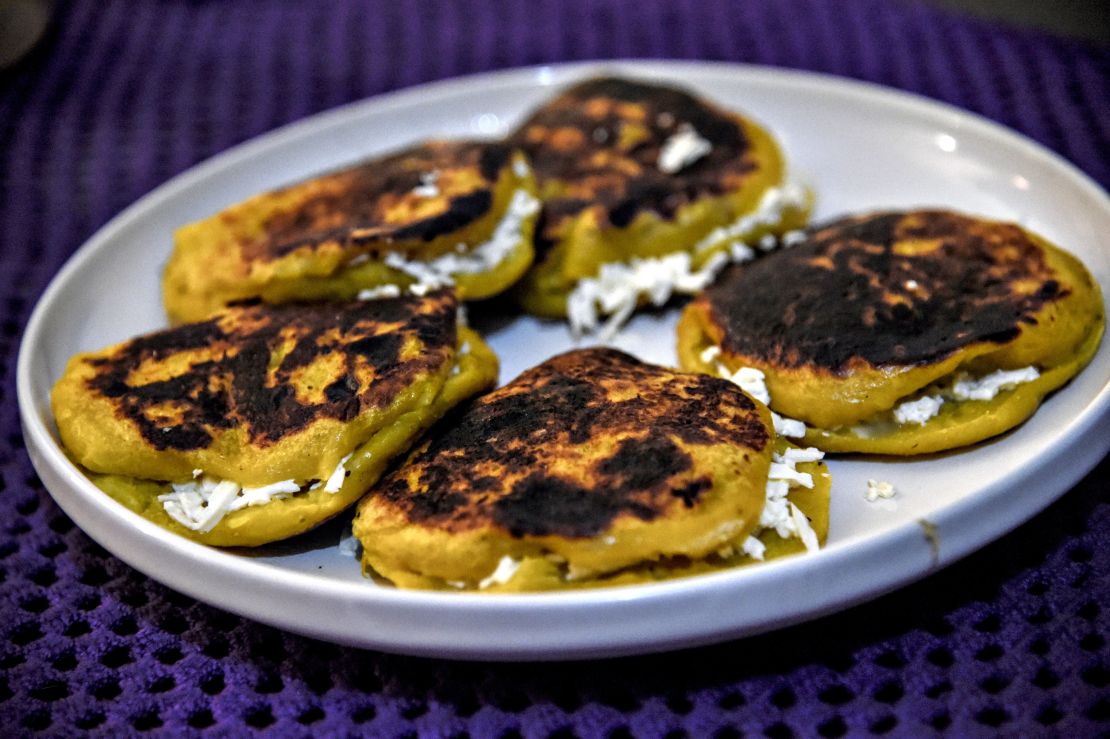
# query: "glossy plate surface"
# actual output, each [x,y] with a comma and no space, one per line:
[862,147]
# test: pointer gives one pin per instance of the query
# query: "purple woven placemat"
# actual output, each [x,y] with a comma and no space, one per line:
[125,93]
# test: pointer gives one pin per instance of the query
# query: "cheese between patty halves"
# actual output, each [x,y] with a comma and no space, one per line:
[202,502]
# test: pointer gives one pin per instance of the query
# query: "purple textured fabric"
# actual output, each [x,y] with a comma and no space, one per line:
[123,94]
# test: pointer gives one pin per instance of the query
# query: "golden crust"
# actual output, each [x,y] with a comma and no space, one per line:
[596,152]
[255,394]
[592,459]
[327,237]
[474,371]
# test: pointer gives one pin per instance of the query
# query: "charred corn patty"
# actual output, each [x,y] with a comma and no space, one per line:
[902,332]
[435,213]
[631,172]
[592,468]
[261,422]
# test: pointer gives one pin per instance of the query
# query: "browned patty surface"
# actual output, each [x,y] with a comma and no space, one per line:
[351,205]
[888,288]
[580,143]
[491,464]
[228,381]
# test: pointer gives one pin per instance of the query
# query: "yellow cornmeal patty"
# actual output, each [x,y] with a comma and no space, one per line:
[265,394]
[591,468]
[875,310]
[327,237]
[596,148]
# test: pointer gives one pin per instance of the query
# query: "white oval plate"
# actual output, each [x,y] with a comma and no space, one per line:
[862,147]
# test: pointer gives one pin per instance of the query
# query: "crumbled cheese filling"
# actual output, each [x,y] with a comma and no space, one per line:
[506,568]
[791,428]
[962,387]
[772,208]
[620,286]
[754,548]
[753,382]
[335,482]
[427,187]
[684,147]
[506,236]
[918,411]
[778,512]
[988,386]
[381,291]
[504,572]
[879,489]
[202,502]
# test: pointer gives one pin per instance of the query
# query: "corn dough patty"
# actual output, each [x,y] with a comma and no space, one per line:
[902,332]
[261,422]
[629,170]
[435,213]
[591,468]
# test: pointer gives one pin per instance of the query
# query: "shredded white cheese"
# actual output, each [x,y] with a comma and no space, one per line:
[778,512]
[201,503]
[710,353]
[520,168]
[427,278]
[335,482]
[753,382]
[619,287]
[787,472]
[918,411]
[506,236]
[879,489]
[803,530]
[793,238]
[791,428]
[798,455]
[741,253]
[988,386]
[504,572]
[684,147]
[772,207]
[266,493]
[754,548]
[381,291]
[962,387]
[427,187]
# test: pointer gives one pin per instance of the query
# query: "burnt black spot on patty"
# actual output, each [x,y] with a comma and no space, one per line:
[460,212]
[542,505]
[351,205]
[581,139]
[642,463]
[231,383]
[506,457]
[889,289]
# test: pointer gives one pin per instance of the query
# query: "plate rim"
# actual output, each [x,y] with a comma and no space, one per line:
[916,558]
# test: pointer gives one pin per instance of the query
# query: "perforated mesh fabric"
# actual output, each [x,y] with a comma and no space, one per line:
[123,94]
